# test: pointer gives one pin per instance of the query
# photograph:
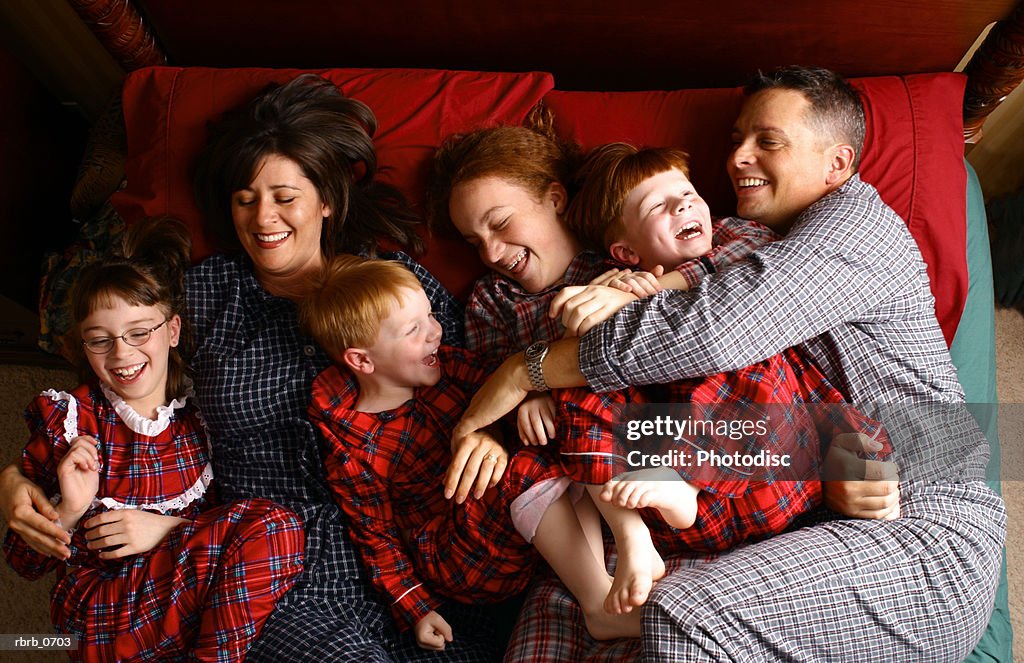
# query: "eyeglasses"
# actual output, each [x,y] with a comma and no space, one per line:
[101,345]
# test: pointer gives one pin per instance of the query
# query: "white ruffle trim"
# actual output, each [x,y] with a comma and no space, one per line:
[143,426]
[197,490]
[138,423]
[71,420]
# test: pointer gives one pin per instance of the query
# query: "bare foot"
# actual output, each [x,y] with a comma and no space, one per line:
[658,487]
[603,626]
[638,566]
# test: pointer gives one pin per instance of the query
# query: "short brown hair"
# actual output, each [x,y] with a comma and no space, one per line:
[531,156]
[350,299]
[605,179]
[836,111]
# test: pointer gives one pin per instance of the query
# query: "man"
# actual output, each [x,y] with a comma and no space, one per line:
[847,283]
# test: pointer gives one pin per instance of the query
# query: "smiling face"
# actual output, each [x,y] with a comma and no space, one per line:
[279,220]
[664,222]
[779,165]
[136,374]
[404,356]
[516,235]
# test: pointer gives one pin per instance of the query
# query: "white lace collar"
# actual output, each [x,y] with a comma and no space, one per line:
[137,422]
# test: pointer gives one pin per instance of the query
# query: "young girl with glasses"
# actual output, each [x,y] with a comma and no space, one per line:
[155,568]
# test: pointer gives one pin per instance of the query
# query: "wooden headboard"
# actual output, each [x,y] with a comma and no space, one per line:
[586,44]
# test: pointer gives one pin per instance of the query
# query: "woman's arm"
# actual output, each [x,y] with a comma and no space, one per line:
[28,512]
[508,386]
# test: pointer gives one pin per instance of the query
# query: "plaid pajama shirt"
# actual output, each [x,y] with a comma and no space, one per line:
[848,285]
[206,589]
[502,318]
[387,471]
[254,369]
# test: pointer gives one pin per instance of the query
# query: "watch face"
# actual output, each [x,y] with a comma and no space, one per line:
[535,350]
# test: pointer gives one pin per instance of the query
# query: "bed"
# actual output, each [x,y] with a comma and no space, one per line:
[652,74]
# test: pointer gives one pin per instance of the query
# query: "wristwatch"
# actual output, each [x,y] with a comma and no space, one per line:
[535,365]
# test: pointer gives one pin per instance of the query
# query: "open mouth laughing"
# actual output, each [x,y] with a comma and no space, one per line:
[271,239]
[689,231]
[128,374]
[517,261]
[749,182]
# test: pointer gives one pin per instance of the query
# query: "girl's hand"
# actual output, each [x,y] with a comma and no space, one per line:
[28,513]
[133,530]
[536,419]
[79,476]
[584,307]
[609,276]
[432,631]
[478,461]
[640,284]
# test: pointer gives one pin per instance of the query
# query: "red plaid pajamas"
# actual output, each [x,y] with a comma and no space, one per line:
[387,469]
[730,508]
[205,590]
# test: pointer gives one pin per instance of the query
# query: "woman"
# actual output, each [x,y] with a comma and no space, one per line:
[289,179]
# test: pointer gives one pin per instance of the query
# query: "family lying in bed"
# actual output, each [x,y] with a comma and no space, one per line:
[824,300]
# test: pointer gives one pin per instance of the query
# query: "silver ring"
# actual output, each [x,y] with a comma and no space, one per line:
[491,457]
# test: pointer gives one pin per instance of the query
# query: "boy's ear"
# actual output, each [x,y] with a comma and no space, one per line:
[621,252]
[357,360]
[841,164]
[559,196]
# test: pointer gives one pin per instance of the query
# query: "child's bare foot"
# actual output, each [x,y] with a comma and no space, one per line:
[603,626]
[658,487]
[638,566]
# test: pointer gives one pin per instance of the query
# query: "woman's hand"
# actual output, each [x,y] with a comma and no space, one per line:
[133,530]
[503,391]
[79,476]
[478,461]
[536,419]
[29,513]
[432,631]
[859,488]
[584,307]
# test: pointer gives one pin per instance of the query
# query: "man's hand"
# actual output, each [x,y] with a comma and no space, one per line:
[478,461]
[859,488]
[432,632]
[29,513]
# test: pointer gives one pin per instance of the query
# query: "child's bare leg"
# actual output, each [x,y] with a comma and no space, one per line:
[658,487]
[590,521]
[561,539]
[639,564]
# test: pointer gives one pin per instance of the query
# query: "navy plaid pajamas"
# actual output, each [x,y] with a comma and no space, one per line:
[254,370]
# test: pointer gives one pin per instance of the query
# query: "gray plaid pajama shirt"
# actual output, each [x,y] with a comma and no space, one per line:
[254,369]
[848,284]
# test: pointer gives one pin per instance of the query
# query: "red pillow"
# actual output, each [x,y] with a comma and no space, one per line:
[167,110]
[913,154]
